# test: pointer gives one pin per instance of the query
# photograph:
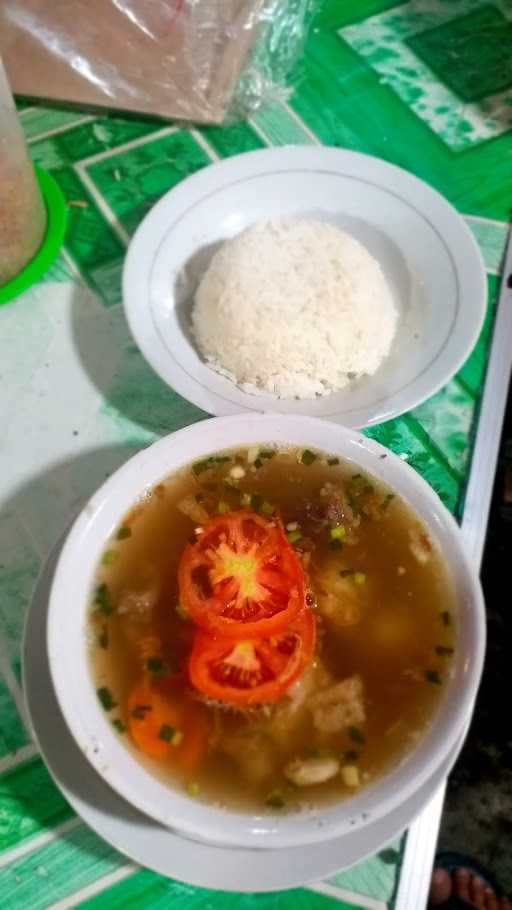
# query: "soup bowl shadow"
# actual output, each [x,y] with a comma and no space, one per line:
[68,649]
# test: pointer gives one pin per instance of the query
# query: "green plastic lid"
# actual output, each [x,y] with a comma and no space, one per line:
[57,216]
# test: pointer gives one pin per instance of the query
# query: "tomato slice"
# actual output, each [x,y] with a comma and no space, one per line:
[241,577]
[252,671]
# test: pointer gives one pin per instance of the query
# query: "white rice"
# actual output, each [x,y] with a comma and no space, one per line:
[296,308]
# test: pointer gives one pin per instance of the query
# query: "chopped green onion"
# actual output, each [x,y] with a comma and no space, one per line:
[267,508]
[119,725]
[446,618]
[350,755]
[258,463]
[443,651]
[206,464]
[103,640]
[166,733]
[223,507]
[109,557]
[359,578]
[432,676]
[267,453]
[338,533]
[139,712]
[102,599]
[308,457]
[105,696]
[332,461]
[357,485]
[356,734]
[294,536]
[193,788]
[201,466]
[335,545]
[275,800]
[256,502]
[346,573]
[156,666]
[181,611]
[387,501]
[124,532]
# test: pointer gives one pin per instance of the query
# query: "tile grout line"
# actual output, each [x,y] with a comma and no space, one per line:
[259,132]
[13,686]
[97,887]
[39,840]
[303,125]
[17,758]
[506,225]
[361,901]
[60,129]
[127,146]
[102,203]
[205,145]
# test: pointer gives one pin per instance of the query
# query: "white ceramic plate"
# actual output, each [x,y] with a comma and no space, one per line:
[69,661]
[156,847]
[427,253]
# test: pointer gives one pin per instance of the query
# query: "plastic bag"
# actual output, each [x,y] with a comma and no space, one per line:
[181,59]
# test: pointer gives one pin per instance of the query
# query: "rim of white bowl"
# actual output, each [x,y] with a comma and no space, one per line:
[67,645]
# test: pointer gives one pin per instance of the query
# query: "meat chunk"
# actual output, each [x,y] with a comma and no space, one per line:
[333,509]
[193,510]
[339,599]
[310,771]
[339,706]
[254,753]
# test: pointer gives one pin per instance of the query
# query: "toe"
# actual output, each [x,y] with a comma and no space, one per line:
[477,890]
[440,887]
[461,883]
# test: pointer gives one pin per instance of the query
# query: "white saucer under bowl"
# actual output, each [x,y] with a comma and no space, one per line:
[155,846]
[427,252]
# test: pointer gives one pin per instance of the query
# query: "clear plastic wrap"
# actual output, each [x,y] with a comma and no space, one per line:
[194,60]
[22,210]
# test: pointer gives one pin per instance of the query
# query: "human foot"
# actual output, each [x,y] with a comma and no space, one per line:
[466,886]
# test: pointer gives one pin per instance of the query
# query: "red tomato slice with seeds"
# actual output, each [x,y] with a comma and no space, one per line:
[241,577]
[252,671]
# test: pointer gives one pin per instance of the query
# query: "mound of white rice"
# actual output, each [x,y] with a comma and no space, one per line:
[296,308]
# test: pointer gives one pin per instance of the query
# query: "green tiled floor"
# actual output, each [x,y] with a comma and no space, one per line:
[392,79]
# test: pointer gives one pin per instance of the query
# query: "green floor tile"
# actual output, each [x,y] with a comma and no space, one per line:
[30,804]
[89,238]
[232,140]
[43,119]
[470,54]
[101,135]
[41,878]
[145,889]
[133,181]
[12,731]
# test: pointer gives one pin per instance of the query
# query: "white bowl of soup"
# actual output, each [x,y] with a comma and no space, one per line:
[264,631]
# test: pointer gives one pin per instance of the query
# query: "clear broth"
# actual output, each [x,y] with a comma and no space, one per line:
[389,619]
